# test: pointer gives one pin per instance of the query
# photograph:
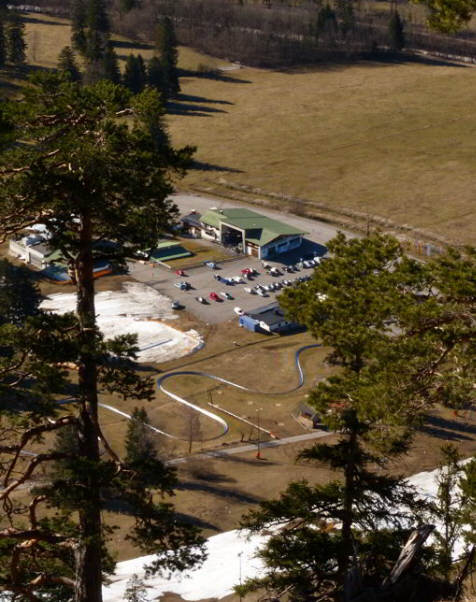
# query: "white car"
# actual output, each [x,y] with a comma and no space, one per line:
[262,293]
[211,264]
[238,311]
[237,279]
[308,263]
[183,286]
[249,290]
[274,271]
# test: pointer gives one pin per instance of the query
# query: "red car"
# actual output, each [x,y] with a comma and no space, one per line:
[246,271]
[214,297]
[180,272]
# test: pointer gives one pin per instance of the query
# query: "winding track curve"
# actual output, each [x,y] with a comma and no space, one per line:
[212,415]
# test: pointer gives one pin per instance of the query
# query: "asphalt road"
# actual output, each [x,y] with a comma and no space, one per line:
[319,232]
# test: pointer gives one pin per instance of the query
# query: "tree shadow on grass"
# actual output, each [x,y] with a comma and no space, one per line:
[184,108]
[196,469]
[202,99]
[122,507]
[450,430]
[230,494]
[8,88]
[132,45]
[189,519]
[213,75]
[204,166]
[39,20]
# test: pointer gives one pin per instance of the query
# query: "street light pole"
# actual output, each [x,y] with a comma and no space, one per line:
[258,454]
[239,556]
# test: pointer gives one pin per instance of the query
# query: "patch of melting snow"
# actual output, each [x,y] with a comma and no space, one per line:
[230,555]
[135,309]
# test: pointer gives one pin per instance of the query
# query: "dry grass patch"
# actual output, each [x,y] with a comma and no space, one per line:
[395,140]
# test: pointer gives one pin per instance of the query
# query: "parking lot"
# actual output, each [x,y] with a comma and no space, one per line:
[202,282]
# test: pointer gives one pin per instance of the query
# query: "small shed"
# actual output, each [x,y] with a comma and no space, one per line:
[249,323]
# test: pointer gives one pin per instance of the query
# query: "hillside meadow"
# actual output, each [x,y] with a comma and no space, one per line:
[388,139]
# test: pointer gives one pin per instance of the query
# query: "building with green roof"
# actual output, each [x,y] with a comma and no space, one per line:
[250,232]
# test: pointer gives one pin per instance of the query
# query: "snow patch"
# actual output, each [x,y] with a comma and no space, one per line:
[230,555]
[136,309]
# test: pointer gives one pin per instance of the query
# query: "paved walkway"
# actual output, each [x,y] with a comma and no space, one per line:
[222,453]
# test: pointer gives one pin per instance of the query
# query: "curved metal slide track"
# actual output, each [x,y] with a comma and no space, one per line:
[223,423]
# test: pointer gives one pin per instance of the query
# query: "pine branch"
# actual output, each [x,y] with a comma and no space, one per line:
[27,436]
[37,460]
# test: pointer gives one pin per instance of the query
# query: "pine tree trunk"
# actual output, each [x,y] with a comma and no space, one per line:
[88,554]
[347,521]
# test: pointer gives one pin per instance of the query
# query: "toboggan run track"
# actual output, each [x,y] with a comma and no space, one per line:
[223,423]
[207,413]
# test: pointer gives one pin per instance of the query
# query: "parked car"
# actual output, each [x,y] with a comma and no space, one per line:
[176,305]
[214,297]
[262,293]
[249,290]
[237,279]
[238,311]
[183,286]
[211,264]
[308,263]
[246,271]
[265,265]
[226,295]
[275,272]
[228,281]
[180,272]
[201,300]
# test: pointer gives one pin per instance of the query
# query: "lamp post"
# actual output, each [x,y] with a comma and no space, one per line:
[240,554]
[258,453]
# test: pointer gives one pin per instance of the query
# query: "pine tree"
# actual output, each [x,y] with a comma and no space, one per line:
[156,77]
[141,454]
[135,77]
[3,50]
[396,32]
[96,34]
[448,17]
[110,66]
[167,50]
[67,64]
[78,25]
[389,376]
[139,442]
[124,198]
[136,590]
[19,294]
[15,40]
[127,5]
[448,510]
[326,19]
[345,15]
